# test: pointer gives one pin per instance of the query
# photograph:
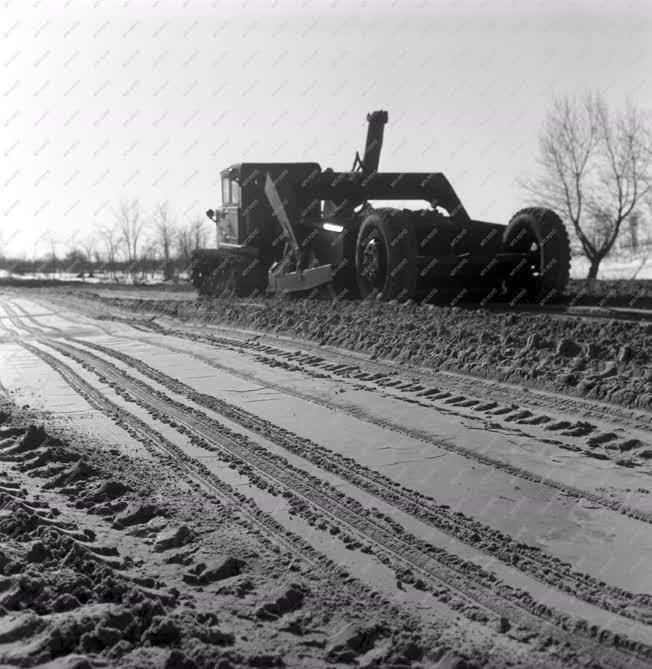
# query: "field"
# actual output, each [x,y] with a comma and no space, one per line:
[219,483]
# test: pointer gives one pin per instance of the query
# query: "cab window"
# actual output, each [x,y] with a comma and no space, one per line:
[230,191]
[235,192]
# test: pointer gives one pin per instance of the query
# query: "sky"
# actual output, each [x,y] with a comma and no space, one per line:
[105,99]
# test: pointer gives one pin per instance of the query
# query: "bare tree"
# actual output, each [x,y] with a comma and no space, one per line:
[184,245]
[111,239]
[165,230]
[634,225]
[87,245]
[52,243]
[192,236]
[198,232]
[148,257]
[98,260]
[595,170]
[130,223]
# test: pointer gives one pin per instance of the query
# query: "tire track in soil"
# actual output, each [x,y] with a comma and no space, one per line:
[120,579]
[12,317]
[414,433]
[452,390]
[48,326]
[193,471]
[528,559]
[16,320]
[42,513]
[361,414]
[100,402]
[157,444]
[448,379]
[455,382]
[484,592]
[24,315]
[596,444]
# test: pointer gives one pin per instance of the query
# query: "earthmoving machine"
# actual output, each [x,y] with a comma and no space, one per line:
[293,227]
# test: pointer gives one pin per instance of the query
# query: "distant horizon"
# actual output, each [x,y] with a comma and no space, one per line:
[148,101]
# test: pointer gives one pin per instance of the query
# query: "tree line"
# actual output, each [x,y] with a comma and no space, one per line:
[134,244]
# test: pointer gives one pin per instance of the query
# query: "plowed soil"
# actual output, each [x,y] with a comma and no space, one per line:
[223,483]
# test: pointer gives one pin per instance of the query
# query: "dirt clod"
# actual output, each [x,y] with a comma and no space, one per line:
[174,537]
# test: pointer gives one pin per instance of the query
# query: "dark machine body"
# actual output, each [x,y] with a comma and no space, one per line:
[288,227]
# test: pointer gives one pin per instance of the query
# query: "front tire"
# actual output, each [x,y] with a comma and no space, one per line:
[544,271]
[386,256]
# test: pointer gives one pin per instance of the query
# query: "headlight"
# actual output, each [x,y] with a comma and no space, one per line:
[332,227]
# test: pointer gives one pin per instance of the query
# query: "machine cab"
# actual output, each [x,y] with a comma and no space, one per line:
[228,224]
[246,218]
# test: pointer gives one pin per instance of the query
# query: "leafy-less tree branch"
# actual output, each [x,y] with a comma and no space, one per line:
[595,168]
[111,240]
[130,224]
[165,228]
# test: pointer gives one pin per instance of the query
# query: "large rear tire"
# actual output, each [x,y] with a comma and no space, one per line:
[386,256]
[543,274]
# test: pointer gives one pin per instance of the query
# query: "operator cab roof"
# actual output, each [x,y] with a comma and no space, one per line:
[236,170]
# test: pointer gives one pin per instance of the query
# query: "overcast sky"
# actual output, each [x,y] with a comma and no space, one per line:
[150,99]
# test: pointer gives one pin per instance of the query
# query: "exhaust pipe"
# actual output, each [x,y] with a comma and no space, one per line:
[376,126]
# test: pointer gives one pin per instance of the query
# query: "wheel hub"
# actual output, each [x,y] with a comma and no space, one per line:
[530,269]
[372,265]
[534,261]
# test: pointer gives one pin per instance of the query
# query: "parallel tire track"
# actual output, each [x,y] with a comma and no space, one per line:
[445,444]
[82,386]
[455,382]
[527,559]
[16,321]
[24,315]
[158,445]
[530,560]
[591,633]
[450,380]
[502,600]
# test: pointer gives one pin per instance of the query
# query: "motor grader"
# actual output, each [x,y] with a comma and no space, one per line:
[293,227]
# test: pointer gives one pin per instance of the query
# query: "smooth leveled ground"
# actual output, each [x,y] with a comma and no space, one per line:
[515,520]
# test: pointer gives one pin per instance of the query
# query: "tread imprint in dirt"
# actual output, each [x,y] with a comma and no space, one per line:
[397,546]
[495,543]
[445,444]
[390,378]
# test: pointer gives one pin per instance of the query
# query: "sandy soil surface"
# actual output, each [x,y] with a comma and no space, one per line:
[598,357]
[223,483]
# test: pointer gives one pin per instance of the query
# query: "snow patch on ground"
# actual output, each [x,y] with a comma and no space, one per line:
[617,267]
